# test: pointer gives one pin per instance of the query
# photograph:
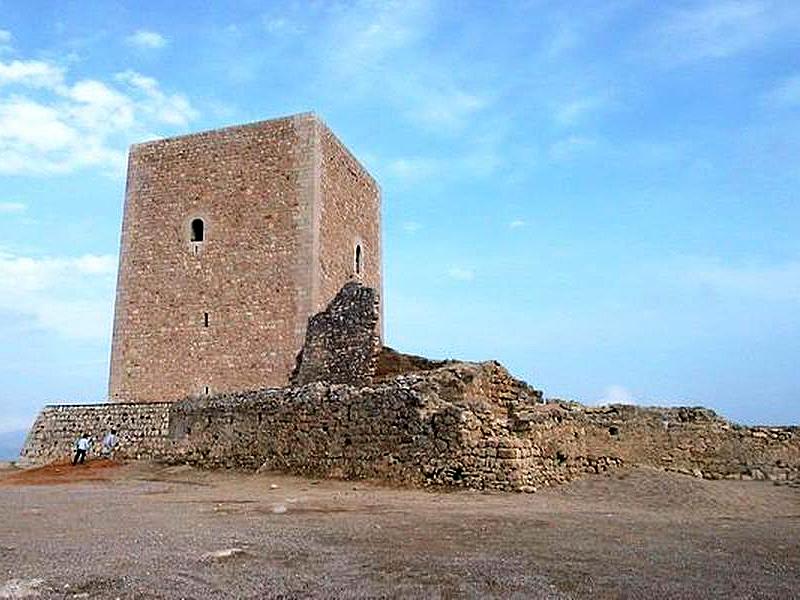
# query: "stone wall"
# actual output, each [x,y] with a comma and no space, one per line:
[142,430]
[343,341]
[461,424]
[284,206]
[417,429]
[349,214]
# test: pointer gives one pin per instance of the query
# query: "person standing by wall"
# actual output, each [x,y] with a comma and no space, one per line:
[109,443]
[81,448]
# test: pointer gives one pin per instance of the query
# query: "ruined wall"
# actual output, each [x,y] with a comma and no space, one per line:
[462,424]
[416,429]
[283,203]
[142,430]
[690,440]
[343,341]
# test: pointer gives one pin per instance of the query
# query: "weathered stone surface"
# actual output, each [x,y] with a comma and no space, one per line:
[461,424]
[142,429]
[391,363]
[285,208]
[343,341]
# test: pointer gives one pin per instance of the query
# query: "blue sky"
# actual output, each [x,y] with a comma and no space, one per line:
[601,195]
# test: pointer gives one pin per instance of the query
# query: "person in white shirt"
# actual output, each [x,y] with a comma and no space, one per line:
[109,443]
[81,448]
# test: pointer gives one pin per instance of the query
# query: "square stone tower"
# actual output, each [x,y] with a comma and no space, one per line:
[231,239]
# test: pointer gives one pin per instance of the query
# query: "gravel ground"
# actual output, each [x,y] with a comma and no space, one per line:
[145,531]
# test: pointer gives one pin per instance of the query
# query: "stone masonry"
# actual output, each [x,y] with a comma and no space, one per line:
[343,341]
[143,429]
[463,424]
[231,240]
[420,423]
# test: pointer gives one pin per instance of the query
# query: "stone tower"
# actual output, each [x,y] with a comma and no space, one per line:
[231,239]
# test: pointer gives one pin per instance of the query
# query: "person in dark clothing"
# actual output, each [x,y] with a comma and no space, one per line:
[81,448]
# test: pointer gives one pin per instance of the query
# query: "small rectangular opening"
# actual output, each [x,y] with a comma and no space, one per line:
[206,390]
[205,319]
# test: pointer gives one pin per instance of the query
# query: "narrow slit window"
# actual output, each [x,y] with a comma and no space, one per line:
[206,390]
[358,259]
[205,319]
[198,230]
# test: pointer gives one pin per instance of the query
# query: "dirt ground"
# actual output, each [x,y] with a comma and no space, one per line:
[107,530]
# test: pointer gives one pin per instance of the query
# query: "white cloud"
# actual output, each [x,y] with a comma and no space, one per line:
[786,94]
[617,394]
[12,208]
[570,147]
[461,274]
[71,296]
[172,109]
[146,39]
[411,226]
[517,223]
[720,29]
[32,73]
[54,126]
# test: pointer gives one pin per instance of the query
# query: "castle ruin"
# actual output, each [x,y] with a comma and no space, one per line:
[248,334]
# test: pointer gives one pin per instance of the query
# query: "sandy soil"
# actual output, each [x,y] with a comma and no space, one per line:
[142,531]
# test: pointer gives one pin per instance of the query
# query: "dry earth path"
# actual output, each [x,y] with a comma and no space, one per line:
[144,531]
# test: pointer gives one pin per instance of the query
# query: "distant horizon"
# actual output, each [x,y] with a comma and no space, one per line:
[602,198]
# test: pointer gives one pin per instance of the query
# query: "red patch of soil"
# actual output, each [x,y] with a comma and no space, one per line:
[61,472]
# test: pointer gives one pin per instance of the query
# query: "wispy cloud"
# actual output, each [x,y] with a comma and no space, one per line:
[773,281]
[71,296]
[5,39]
[445,106]
[480,161]
[785,94]
[720,28]
[377,49]
[12,208]
[575,110]
[49,125]
[517,223]
[413,168]
[144,38]
[461,273]
[562,38]
[281,25]
[570,147]
[411,226]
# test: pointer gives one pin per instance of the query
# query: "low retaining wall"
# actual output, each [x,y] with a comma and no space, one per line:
[459,424]
[142,430]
